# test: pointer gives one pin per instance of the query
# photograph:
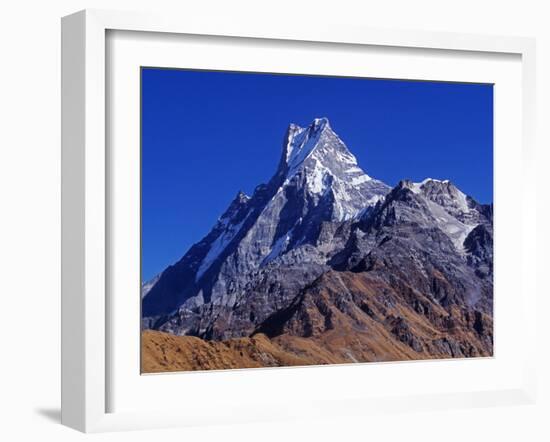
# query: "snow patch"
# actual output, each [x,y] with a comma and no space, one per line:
[356,181]
[279,247]
[374,199]
[302,144]
[427,180]
[456,230]
[147,286]
[219,245]
[462,202]
[316,178]
[416,188]
[347,158]
[456,195]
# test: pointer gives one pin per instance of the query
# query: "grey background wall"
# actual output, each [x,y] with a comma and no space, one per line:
[30,214]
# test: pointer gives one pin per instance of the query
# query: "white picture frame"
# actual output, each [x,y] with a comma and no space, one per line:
[85,201]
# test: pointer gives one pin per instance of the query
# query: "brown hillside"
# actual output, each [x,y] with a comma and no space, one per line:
[342,318]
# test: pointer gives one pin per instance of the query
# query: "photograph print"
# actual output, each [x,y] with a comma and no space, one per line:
[301,220]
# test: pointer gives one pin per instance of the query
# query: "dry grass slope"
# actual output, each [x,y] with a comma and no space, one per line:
[344,318]
[165,352]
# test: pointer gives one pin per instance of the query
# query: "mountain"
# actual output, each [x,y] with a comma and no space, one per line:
[327,255]
[430,235]
[317,182]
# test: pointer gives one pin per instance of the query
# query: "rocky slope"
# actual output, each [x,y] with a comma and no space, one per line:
[326,264]
[343,317]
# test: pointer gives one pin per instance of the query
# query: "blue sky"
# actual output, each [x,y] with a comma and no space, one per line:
[206,135]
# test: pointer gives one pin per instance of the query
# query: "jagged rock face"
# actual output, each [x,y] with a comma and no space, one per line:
[479,245]
[322,249]
[429,239]
[374,320]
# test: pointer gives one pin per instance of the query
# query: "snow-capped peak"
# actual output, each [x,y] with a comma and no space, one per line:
[302,141]
[446,207]
[316,157]
[316,144]
[442,192]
